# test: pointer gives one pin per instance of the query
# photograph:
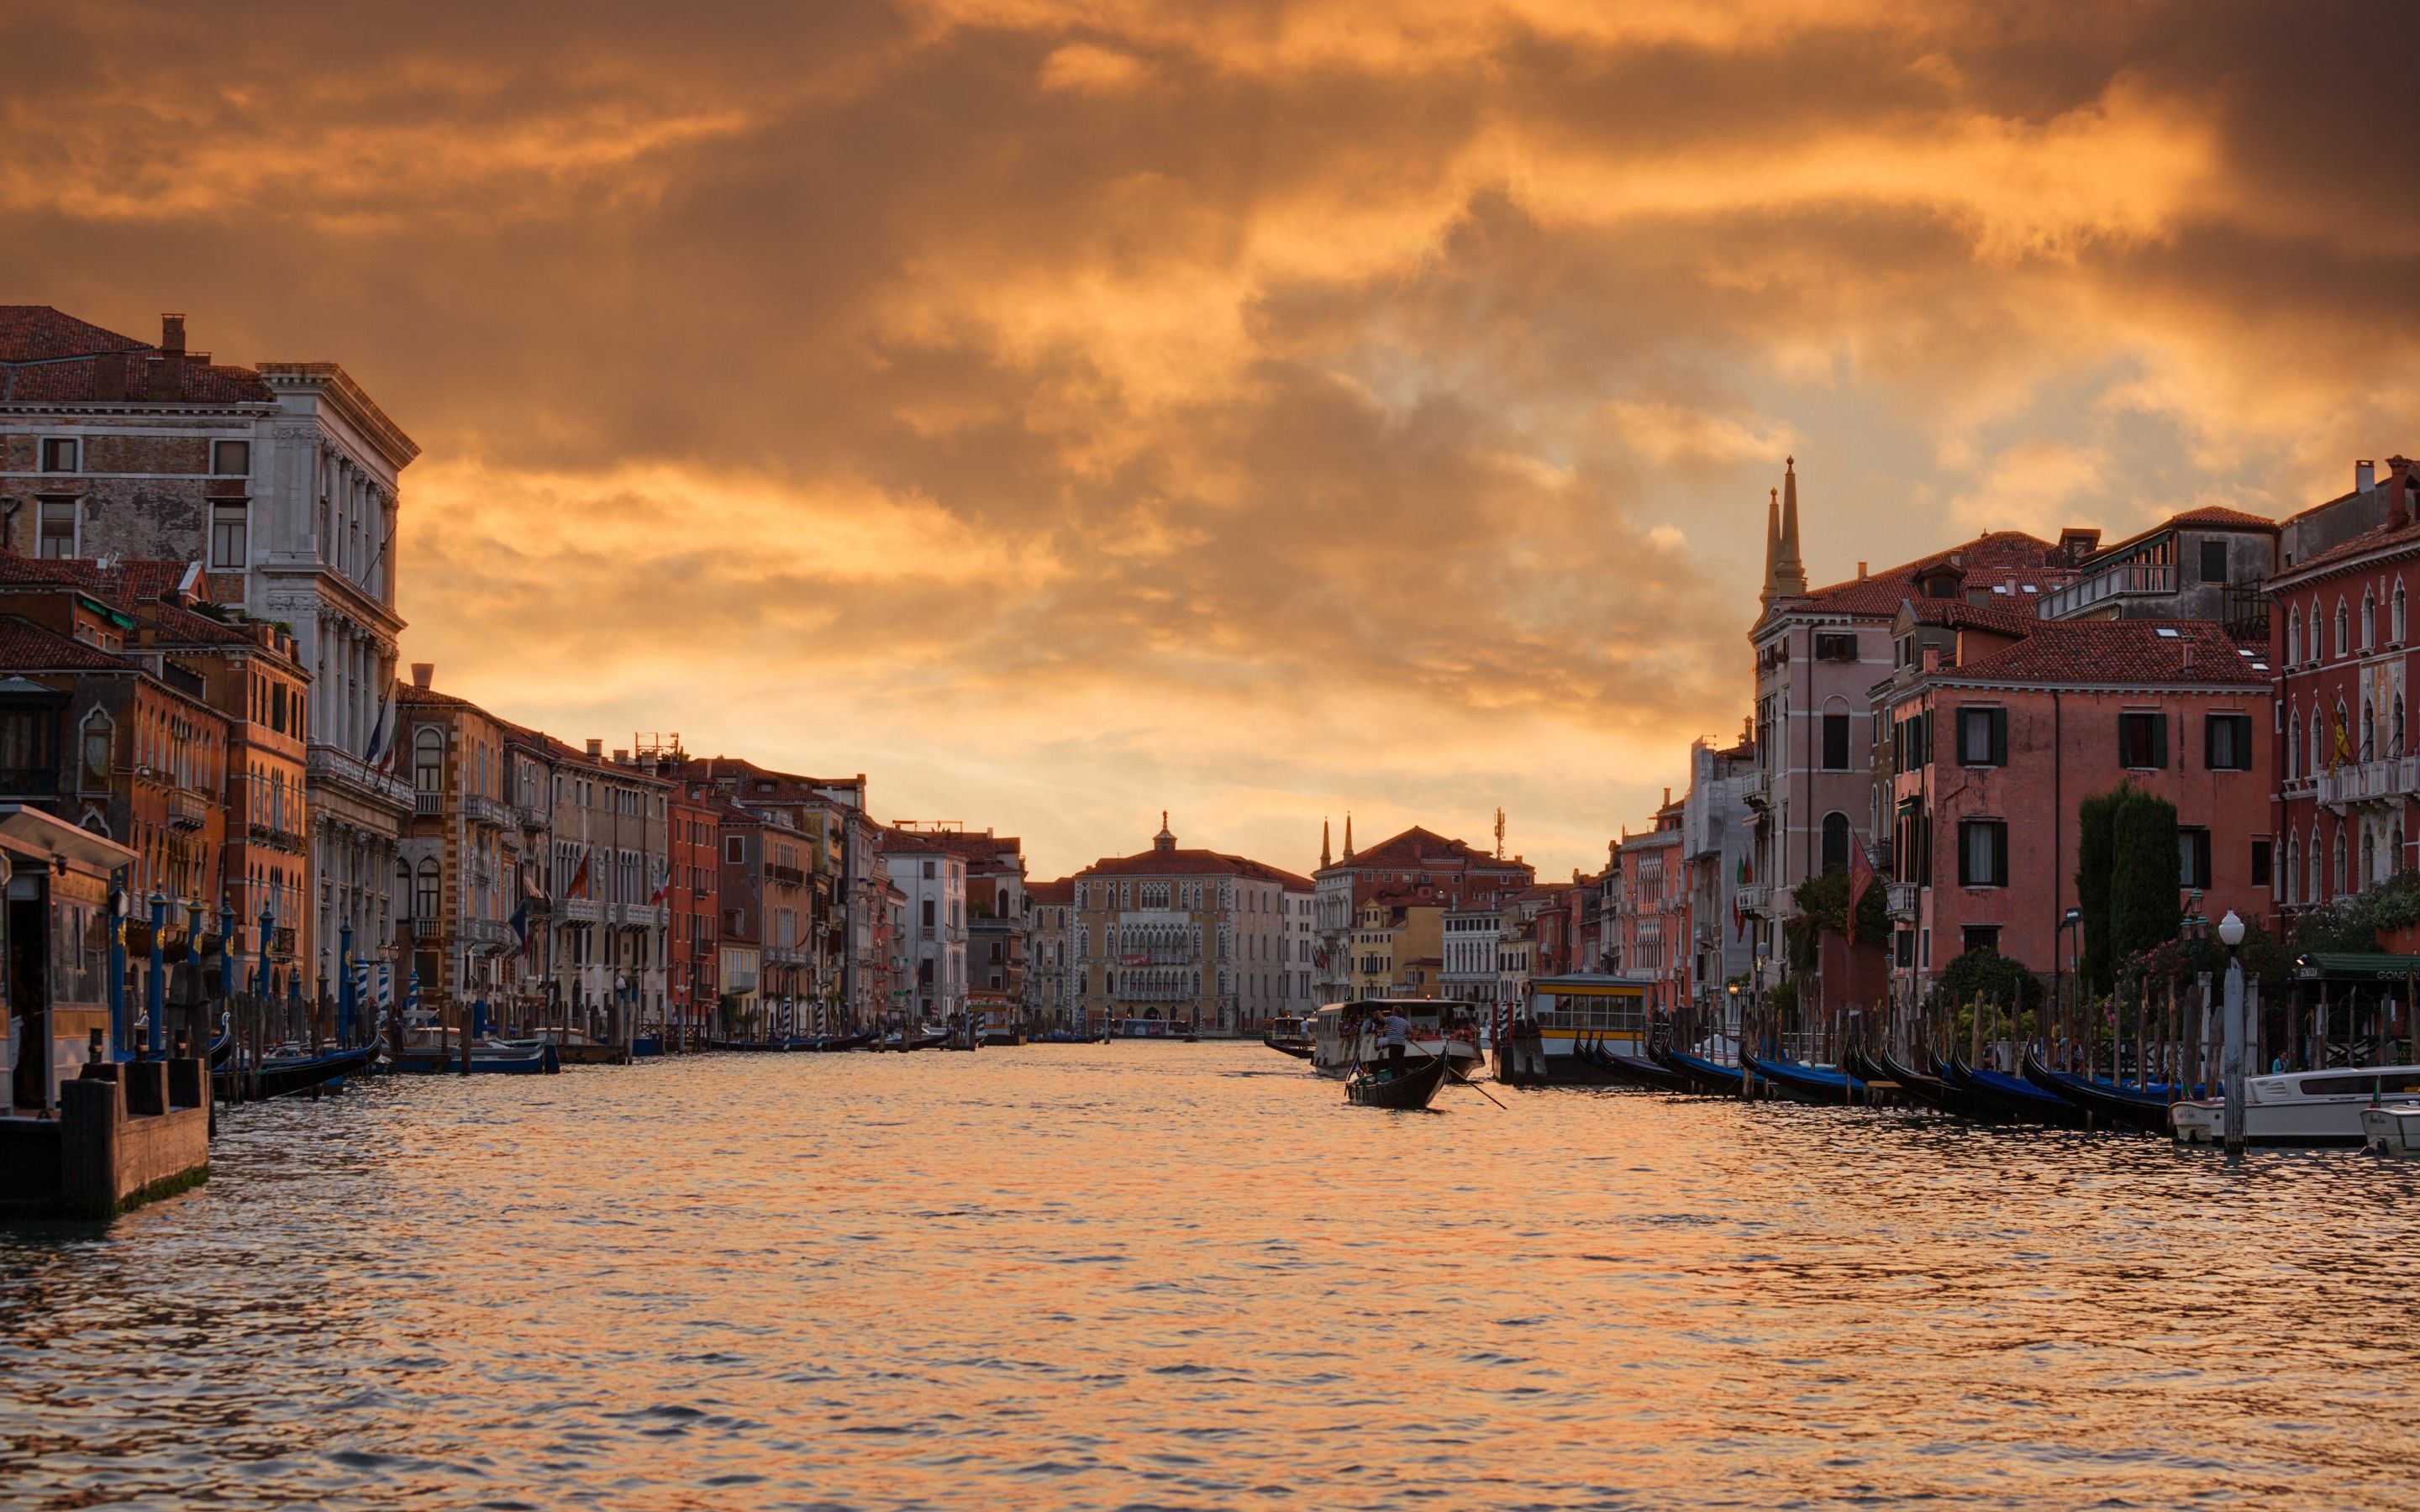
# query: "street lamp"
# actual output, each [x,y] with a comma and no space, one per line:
[2230,934]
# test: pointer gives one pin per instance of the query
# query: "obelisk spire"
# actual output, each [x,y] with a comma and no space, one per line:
[1348,834]
[1772,547]
[1324,861]
[1789,568]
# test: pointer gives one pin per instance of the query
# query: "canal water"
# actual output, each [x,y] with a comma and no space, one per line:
[1165,1275]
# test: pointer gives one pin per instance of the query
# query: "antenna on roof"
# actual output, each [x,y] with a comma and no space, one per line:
[1499,832]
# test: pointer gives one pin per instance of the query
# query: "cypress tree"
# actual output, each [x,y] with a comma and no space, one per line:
[2144,910]
[2092,857]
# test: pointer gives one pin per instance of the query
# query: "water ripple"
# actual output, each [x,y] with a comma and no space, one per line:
[1171,1276]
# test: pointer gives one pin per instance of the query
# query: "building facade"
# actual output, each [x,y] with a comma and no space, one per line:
[1191,936]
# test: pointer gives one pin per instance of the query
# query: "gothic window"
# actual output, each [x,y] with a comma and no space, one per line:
[425,903]
[2294,745]
[2344,628]
[2368,619]
[97,753]
[2293,861]
[2294,637]
[2340,859]
[428,760]
[1835,842]
[2395,616]
[2318,890]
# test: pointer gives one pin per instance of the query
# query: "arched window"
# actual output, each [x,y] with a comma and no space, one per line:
[2319,743]
[95,753]
[2344,628]
[2395,614]
[2292,875]
[428,760]
[2340,859]
[2368,856]
[1835,842]
[424,904]
[2294,637]
[2368,618]
[403,886]
[2316,646]
[2369,730]
[2319,862]
[2294,745]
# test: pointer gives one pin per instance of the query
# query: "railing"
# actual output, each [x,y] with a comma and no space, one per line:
[1756,789]
[481,809]
[186,808]
[285,840]
[2127,580]
[790,875]
[427,805]
[1903,897]
[1755,898]
[535,815]
[487,932]
[2367,781]
[333,763]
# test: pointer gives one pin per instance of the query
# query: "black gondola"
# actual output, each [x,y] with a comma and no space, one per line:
[1412,1090]
[1633,1071]
[1805,1083]
[1702,1075]
[2112,1105]
[283,1078]
[2018,1101]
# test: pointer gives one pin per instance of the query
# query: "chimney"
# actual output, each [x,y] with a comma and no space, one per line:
[423,673]
[1861,572]
[172,333]
[2364,475]
[2399,507]
[596,748]
[166,383]
[1932,659]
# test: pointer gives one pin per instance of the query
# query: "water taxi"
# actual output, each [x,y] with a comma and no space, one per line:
[1345,1034]
[2303,1107]
[1585,1018]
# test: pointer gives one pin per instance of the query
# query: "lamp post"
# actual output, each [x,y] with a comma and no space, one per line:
[2071,925]
[2230,934]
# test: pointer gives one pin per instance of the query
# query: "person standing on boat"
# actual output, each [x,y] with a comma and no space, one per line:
[1394,1034]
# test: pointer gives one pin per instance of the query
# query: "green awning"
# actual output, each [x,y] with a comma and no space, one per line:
[2357,966]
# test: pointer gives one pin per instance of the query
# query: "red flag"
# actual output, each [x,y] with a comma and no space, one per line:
[1739,918]
[1861,877]
[579,887]
[662,893]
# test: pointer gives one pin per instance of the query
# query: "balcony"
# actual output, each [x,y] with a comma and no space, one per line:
[2369,782]
[1903,900]
[534,814]
[1756,899]
[487,935]
[187,808]
[334,766]
[425,805]
[1756,789]
[270,834]
[791,876]
[482,810]
[2127,580]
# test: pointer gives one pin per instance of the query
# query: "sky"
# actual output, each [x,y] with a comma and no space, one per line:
[1259,412]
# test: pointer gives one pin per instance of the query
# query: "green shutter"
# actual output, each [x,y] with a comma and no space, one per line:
[2160,741]
[1999,737]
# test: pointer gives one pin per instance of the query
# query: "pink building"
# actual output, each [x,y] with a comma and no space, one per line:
[1653,911]
[1998,726]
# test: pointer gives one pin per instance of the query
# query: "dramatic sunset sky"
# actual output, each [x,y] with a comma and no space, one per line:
[1066,412]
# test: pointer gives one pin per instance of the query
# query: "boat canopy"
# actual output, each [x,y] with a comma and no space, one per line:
[2356,966]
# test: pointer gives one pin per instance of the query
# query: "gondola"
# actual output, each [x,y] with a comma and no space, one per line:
[526,1057]
[2017,1097]
[222,1047]
[1805,1083]
[2144,1109]
[1702,1075]
[1632,1070]
[1922,1087]
[1413,1089]
[283,1078]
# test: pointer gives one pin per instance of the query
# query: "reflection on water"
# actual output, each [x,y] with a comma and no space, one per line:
[1190,1275]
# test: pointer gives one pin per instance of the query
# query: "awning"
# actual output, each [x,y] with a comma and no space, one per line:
[31,832]
[2356,966]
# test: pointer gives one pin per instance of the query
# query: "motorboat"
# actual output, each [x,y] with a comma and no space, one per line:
[2302,1107]
[2392,1129]
[1345,1034]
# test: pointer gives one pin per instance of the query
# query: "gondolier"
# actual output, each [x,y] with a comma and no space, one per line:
[1393,1035]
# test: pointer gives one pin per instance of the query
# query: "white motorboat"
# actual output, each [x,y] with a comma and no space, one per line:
[1344,1033]
[2302,1107]
[2392,1129]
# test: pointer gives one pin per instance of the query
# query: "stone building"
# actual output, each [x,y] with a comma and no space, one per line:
[1049,952]
[1191,936]
[459,867]
[1469,878]
[281,479]
[693,911]
[932,877]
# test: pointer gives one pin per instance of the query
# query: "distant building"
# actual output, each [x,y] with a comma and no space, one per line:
[1050,952]
[1462,876]
[933,876]
[1191,936]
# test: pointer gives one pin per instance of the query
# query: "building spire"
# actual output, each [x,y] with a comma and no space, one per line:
[1789,568]
[1166,839]
[1348,834]
[1324,861]
[1771,545]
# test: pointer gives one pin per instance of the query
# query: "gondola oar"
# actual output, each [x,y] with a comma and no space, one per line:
[1460,1080]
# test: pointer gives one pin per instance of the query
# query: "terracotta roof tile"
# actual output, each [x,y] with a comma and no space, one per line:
[26,646]
[1193,863]
[47,356]
[2119,652]
[2009,559]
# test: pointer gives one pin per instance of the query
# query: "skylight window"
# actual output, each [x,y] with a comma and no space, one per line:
[2167,634]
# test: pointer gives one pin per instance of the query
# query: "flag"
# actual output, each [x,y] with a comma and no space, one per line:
[2343,753]
[380,750]
[662,893]
[1739,919]
[579,887]
[521,925]
[1861,877]
[1746,874]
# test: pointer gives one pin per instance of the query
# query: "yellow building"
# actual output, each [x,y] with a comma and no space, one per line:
[1398,945]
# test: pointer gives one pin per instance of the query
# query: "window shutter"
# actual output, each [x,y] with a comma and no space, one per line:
[2159,742]
[2122,753]
[1999,855]
[1999,737]
[2210,742]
